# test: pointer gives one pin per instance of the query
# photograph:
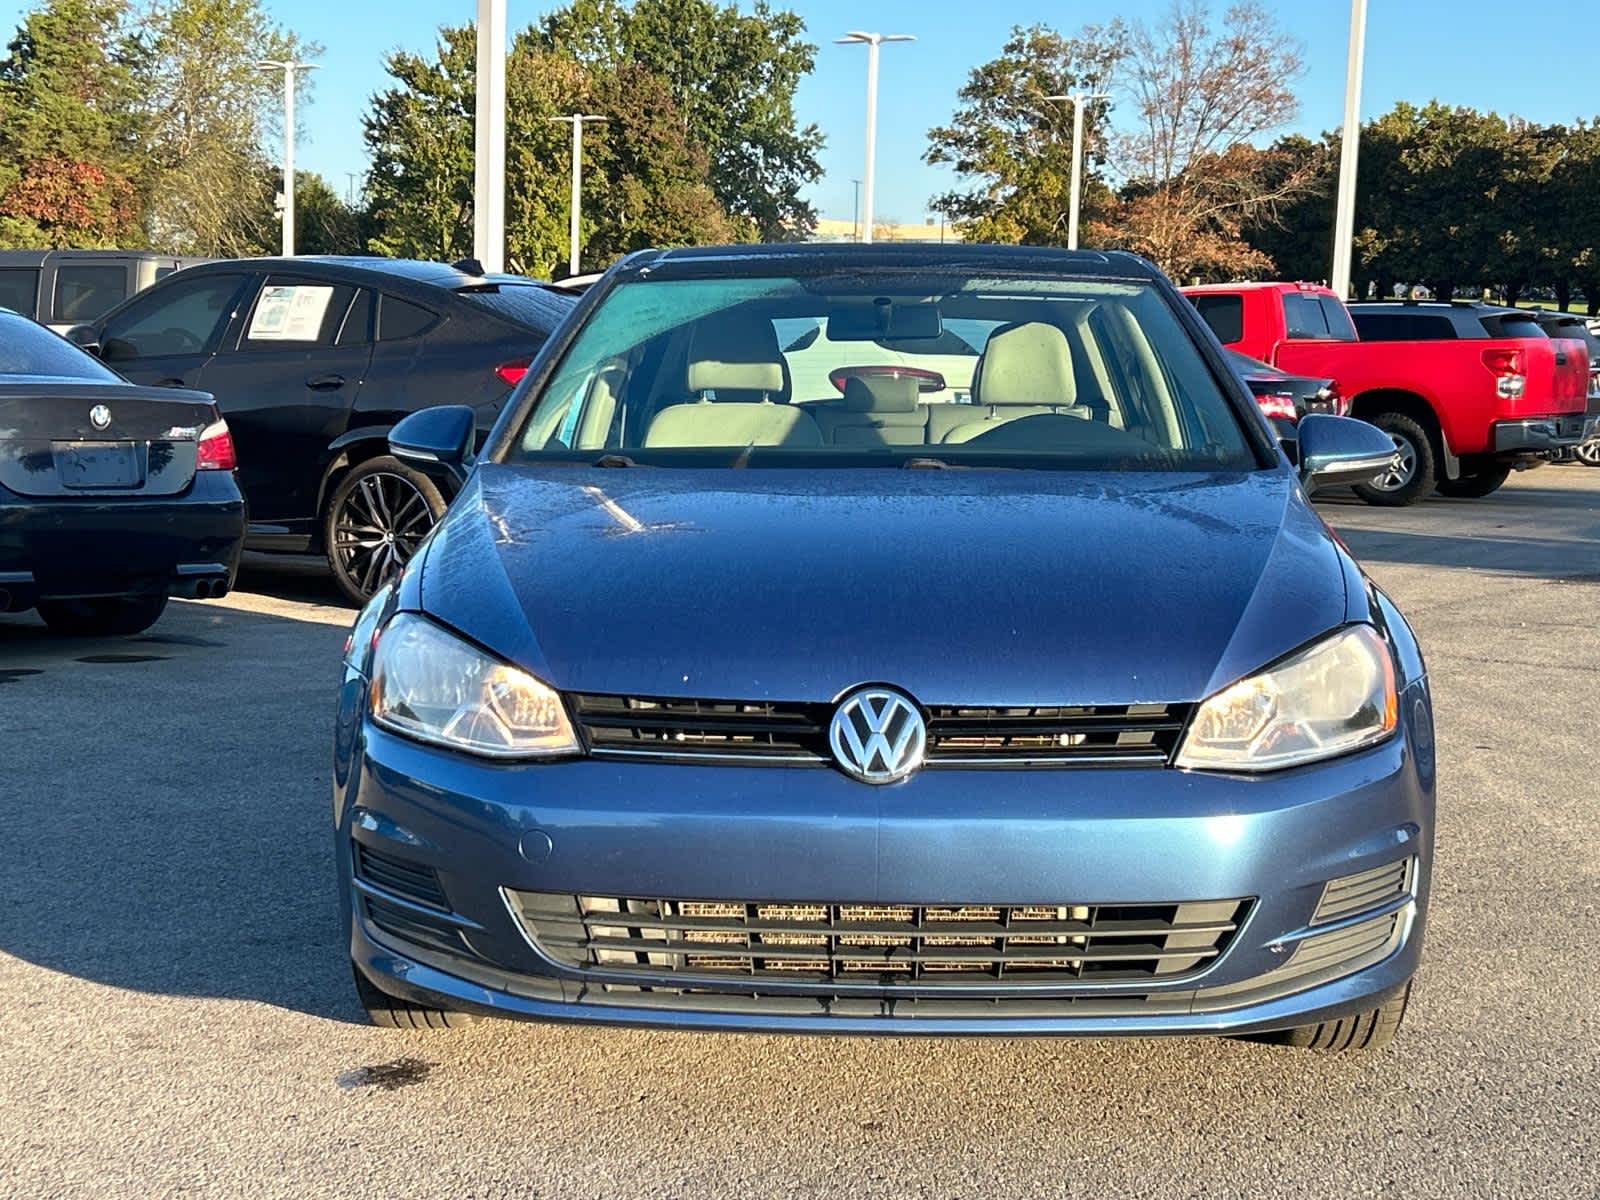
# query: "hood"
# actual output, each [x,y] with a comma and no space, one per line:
[975,587]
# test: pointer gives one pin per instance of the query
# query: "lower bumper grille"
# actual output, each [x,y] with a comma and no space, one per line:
[882,945]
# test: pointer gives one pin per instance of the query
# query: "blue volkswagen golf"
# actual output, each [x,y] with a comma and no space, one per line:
[886,640]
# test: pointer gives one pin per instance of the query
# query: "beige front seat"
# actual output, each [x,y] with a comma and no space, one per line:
[877,410]
[742,387]
[1024,371]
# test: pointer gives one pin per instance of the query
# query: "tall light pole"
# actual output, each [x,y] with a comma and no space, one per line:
[288,67]
[872,41]
[576,120]
[1344,218]
[1075,200]
[855,211]
[489,139]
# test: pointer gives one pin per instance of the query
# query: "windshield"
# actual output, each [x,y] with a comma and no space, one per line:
[865,368]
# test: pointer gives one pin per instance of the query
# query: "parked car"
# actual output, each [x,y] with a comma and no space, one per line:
[112,497]
[1060,711]
[1467,392]
[313,361]
[63,288]
[1285,398]
[1577,328]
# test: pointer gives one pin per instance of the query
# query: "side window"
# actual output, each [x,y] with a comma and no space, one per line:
[402,319]
[180,318]
[357,327]
[1225,315]
[19,290]
[1303,318]
[86,293]
[293,314]
[1404,327]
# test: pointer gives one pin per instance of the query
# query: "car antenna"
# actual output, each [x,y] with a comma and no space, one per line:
[469,266]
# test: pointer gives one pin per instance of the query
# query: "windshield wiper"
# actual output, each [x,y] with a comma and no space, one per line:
[614,460]
[924,463]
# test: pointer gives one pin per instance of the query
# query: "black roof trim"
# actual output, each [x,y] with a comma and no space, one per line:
[823,256]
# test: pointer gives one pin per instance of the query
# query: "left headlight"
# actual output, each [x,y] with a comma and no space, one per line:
[431,685]
[1335,696]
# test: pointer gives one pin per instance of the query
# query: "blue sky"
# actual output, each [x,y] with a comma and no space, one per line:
[1477,52]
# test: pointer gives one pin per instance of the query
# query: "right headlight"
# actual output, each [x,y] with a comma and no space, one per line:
[1335,696]
[429,684]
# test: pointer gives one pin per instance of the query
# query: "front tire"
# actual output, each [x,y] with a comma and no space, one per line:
[1588,453]
[377,517]
[112,616]
[1413,478]
[1370,1030]
[391,1012]
[1475,485]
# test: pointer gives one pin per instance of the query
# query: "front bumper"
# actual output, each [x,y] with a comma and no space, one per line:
[115,546]
[1114,837]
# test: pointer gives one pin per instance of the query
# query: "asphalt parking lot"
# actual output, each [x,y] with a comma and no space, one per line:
[177,1017]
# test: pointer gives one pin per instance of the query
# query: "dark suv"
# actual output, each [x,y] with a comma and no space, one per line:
[312,361]
[1440,320]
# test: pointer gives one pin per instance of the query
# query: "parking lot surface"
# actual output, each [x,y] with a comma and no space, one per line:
[178,1017]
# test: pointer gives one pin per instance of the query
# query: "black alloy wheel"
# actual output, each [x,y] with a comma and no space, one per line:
[378,516]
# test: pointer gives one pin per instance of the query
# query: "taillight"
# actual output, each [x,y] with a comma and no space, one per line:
[511,373]
[1278,405]
[1509,371]
[215,451]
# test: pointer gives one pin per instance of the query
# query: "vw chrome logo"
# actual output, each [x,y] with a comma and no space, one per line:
[877,735]
[100,416]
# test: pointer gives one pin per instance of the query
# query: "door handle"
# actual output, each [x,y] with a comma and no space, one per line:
[325,383]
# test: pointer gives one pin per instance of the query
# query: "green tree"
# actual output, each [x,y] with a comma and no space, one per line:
[1012,147]
[210,110]
[731,77]
[70,127]
[645,182]
[323,222]
[1297,236]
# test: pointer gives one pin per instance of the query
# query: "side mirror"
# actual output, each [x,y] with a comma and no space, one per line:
[1335,450]
[437,441]
[85,338]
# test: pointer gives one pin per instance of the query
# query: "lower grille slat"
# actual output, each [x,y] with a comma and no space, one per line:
[711,940]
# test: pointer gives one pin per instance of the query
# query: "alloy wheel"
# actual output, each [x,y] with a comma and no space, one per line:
[1589,453]
[1405,466]
[378,527]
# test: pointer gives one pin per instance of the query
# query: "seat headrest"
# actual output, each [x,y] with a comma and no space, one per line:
[735,355]
[880,394]
[1028,363]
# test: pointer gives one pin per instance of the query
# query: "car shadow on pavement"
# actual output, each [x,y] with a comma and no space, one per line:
[166,806]
[1547,558]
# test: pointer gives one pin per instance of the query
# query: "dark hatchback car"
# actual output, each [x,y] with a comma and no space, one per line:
[112,497]
[313,361]
[1052,709]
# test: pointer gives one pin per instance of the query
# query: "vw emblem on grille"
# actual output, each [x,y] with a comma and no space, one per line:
[877,735]
[100,416]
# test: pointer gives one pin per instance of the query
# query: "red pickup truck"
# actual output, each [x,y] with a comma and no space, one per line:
[1467,391]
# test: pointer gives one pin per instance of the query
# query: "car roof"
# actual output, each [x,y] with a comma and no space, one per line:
[1258,285]
[824,257]
[408,270]
[1478,307]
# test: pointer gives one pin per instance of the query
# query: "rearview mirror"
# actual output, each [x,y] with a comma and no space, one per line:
[436,441]
[882,320]
[1335,450]
[85,338]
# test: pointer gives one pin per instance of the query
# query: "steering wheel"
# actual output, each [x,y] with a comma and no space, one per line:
[180,341]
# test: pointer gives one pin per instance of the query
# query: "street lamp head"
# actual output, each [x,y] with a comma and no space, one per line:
[872,39]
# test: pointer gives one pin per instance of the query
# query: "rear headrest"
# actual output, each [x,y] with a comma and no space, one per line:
[1029,363]
[736,356]
[880,393]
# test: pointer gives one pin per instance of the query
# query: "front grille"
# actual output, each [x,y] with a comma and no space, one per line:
[755,731]
[409,880]
[878,945]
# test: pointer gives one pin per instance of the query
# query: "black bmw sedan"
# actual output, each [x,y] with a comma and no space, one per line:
[112,496]
[312,361]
